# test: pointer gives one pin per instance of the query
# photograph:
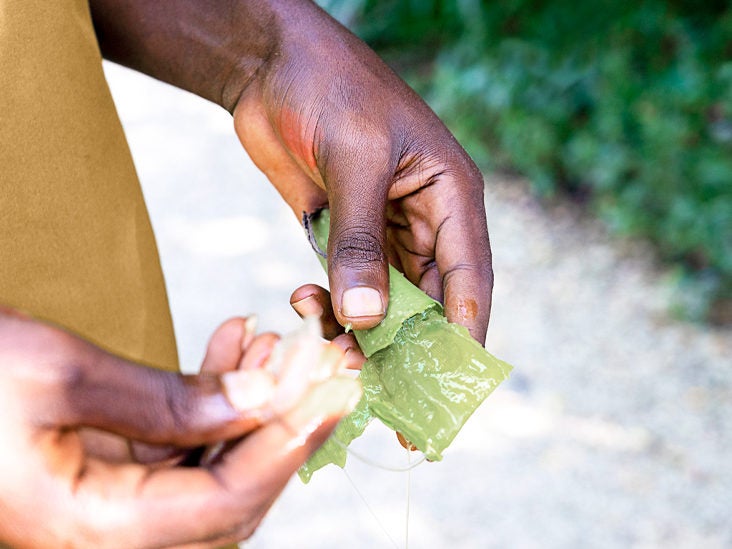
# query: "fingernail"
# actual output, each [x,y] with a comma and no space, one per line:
[250,330]
[362,301]
[248,390]
[308,307]
[334,397]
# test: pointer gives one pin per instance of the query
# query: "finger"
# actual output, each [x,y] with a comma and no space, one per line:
[413,242]
[116,449]
[298,365]
[152,406]
[259,351]
[420,269]
[346,342]
[357,265]
[405,443]
[430,282]
[227,344]
[224,503]
[291,385]
[312,300]
[273,452]
[463,255]
[105,446]
[108,393]
[353,358]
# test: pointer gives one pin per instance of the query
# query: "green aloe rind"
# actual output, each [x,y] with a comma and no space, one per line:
[424,376]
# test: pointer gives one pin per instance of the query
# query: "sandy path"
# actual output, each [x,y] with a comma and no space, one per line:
[615,431]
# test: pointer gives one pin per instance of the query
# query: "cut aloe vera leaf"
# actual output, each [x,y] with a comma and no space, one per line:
[424,376]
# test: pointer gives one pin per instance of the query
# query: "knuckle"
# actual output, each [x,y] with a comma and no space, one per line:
[358,249]
[180,410]
[60,360]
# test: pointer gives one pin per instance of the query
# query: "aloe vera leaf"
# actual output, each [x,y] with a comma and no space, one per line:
[424,376]
[334,449]
[430,380]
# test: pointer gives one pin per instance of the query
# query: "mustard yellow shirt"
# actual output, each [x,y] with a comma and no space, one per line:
[76,244]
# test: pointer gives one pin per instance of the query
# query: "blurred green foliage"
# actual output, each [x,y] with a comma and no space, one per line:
[626,105]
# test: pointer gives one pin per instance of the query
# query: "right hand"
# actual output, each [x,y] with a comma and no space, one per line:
[330,124]
[56,488]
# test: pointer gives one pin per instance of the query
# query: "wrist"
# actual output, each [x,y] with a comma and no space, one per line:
[213,49]
[286,28]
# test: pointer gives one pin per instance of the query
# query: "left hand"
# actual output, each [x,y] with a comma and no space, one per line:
[68,408]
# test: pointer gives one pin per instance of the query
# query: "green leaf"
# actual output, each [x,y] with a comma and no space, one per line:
[424,376]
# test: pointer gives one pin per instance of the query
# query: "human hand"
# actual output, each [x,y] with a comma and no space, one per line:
[313,300]
[56,489]
[331,125]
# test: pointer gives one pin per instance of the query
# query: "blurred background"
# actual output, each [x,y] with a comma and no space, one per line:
[605,132]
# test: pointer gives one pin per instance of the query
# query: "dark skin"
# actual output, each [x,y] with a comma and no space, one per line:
[94,447]
[329,124]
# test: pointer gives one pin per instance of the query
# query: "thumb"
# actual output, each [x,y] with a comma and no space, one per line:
[109,393]
[62,381]
[358,270]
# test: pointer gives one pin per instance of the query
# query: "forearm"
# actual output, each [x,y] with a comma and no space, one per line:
[212,48]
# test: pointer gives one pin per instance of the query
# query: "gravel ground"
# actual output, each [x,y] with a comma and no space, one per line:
[614,431]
